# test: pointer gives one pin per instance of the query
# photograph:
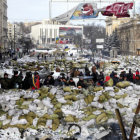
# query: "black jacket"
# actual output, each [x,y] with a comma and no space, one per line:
[16,81]
[130,77]
[82,84]
[27,83]
[49,81]
[5,83]
[95,77]
[115,80]
[71,83]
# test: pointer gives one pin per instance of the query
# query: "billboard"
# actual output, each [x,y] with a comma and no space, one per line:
[99,46]
[85,11]
[119,9]
[69,32]
[104,1]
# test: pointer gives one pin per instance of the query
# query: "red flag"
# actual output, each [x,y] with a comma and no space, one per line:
[119,9]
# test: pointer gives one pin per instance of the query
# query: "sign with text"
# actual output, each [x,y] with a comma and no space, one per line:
[87,41]
[100,40]
[100,46]
[69,32]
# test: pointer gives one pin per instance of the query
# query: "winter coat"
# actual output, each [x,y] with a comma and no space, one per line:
[16,82]
[95,76]
[115,80]
[49,81]
[112,74]
[137,72]
[5,83]
[130,77]
[71,83]
[101,77]
[57,82]
[82,84]
[27,83]
[107,78]
[137,80]
[36,82]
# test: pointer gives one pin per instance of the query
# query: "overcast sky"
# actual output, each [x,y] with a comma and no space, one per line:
[37,10]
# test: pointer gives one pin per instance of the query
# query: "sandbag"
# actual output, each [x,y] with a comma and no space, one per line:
[109,83]
[123,84]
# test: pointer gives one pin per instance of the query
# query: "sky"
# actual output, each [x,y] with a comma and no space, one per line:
[37,10]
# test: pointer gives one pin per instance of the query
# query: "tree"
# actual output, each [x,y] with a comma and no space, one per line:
[78,40]
[94,32]
[106,46]
[24,29]
[26,43]
[115,40]
[111,41]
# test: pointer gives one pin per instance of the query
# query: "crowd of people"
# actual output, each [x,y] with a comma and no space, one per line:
[32,81]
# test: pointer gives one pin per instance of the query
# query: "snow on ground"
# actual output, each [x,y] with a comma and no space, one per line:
[126,99]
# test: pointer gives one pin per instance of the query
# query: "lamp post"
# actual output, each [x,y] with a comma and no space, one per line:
[14,39]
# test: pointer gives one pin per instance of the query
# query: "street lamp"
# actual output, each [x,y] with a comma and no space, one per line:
[14,38]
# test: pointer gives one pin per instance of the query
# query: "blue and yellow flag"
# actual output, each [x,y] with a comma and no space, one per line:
[57,40]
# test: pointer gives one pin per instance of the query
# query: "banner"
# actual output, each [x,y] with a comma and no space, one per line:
[85,11]
[119,9]
[69,32]
[89,10]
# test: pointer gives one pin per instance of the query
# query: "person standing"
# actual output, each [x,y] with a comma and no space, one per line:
[115,79]
[94,74]
[36,81]
[101,79]
[27,83]
[130,76]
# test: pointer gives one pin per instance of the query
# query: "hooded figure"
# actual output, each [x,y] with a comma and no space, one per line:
[27,83]
[130,76]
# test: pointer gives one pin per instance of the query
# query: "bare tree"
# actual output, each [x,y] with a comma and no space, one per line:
[94,32]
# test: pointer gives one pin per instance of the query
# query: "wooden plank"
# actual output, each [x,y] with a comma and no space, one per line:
[121,124]
[133,125]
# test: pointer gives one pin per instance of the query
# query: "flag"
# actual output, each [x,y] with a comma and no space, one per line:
[85,11]
[119,9]
[57,40]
